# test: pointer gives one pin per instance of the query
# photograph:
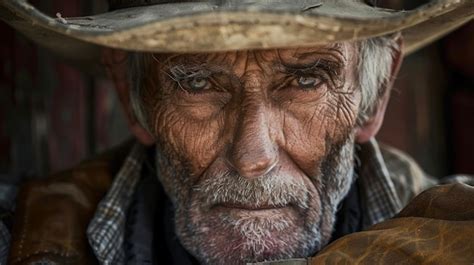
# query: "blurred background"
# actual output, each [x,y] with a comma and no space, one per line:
[52,115]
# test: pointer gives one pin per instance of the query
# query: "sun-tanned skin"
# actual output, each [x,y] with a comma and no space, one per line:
[254,148]
[252,110]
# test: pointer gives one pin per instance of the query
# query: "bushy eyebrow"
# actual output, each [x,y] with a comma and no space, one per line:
[332,67]
[182,71]
[329,57]
[183,66]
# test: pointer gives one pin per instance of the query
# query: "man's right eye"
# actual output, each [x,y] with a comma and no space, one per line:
[195,84]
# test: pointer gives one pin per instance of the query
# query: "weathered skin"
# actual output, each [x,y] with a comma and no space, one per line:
[256,159]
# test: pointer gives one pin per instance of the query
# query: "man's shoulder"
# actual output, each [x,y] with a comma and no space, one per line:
[408,177]
[52,213]
[94,174]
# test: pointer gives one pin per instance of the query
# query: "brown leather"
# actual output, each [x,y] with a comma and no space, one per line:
[437,227]
[52,214]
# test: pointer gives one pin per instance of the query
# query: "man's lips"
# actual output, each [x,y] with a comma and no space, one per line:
[267,211]
[250,207]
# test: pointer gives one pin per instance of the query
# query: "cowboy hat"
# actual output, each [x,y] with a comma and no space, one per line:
[220,25]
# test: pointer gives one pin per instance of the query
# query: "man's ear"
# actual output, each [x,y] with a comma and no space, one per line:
[370,128]
[115,62]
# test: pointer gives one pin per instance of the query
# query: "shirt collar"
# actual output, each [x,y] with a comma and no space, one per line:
[106,229]
[380,198]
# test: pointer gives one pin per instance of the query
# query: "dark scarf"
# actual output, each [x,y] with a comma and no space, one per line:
[150,237]
[349,214]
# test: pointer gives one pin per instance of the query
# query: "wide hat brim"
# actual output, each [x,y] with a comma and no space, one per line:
[211,26]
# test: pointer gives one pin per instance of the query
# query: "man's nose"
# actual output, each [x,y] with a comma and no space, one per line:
[253,151]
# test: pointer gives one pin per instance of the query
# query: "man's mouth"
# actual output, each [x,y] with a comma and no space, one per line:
[238,206]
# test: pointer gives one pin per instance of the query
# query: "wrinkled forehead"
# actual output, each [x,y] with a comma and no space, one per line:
[337,52]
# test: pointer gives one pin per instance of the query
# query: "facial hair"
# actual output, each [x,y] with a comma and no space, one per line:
[215,237]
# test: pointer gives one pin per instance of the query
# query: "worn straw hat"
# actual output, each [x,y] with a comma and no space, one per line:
[219,25]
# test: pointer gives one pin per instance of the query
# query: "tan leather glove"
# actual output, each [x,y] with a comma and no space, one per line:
[437,227]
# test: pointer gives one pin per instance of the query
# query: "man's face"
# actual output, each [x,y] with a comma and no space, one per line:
[255,148]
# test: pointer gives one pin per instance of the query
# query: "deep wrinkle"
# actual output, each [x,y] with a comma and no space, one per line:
[223,62]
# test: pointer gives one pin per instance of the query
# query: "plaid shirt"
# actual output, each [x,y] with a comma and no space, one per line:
[107,229]
[389,179]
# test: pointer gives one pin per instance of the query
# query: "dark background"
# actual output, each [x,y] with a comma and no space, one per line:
[52,116]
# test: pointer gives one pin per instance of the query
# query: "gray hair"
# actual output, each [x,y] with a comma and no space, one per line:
[137,64]
[374,65]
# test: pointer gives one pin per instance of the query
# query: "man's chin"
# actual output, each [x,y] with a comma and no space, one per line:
[238,236]
[246,248]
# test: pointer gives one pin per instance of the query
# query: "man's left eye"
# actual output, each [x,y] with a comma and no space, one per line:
[307,82]
[196,84]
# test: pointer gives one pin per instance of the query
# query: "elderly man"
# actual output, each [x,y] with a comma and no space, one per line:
[242,154]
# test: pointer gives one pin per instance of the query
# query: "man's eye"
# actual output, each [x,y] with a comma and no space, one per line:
[195,84]
[307,82]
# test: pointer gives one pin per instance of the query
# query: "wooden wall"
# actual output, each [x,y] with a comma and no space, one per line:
[51,115]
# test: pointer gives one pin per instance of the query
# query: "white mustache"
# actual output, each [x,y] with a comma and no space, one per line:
[270,190]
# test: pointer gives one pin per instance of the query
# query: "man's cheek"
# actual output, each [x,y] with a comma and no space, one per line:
[333,118]
[346,108]
[304,137]
[196,142]
[165,121]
